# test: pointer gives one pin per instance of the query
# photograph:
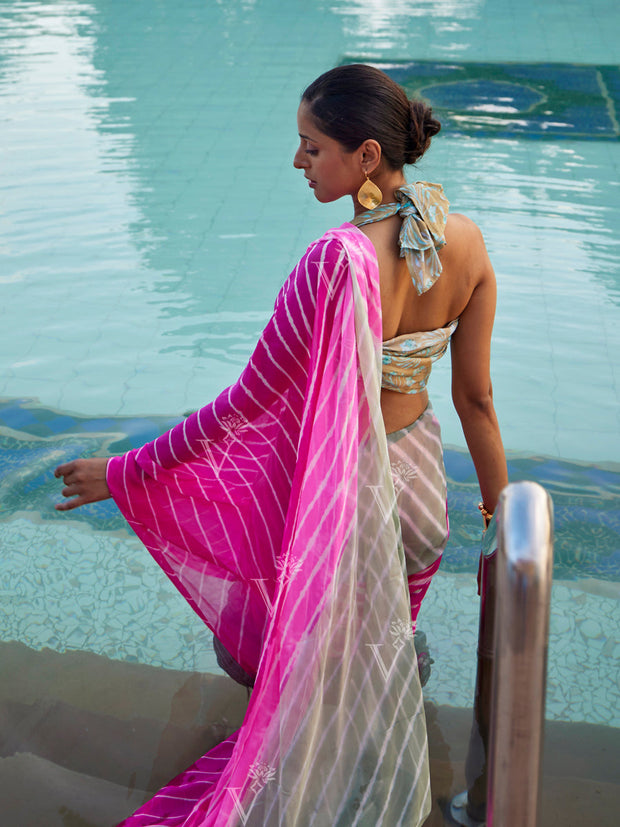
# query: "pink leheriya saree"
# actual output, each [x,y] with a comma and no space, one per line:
[273,511]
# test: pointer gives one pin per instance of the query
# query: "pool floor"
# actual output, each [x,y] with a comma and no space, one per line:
[150,213]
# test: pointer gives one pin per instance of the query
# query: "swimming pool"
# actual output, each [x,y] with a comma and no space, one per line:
[150,213]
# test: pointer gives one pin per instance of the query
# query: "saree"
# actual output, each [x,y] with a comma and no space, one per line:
[273,511]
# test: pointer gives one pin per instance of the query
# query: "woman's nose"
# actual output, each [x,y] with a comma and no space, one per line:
[299,159]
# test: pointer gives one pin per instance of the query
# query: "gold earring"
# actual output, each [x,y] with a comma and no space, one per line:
[369,195]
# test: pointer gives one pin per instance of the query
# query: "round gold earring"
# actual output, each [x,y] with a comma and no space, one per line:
[369,195]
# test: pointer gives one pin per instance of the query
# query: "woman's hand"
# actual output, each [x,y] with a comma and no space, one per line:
[85,482]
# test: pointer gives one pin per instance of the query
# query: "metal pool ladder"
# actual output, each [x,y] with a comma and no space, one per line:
[503,763]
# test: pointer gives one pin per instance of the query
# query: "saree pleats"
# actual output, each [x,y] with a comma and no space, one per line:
[273,510]
[419,475]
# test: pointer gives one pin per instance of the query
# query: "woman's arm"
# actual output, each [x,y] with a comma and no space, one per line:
[272,368]
[472,391]
[277,366]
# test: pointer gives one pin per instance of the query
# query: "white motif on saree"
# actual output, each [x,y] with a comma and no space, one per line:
[288,569]
[231,424]
[402,474]
[262,774]
[401,631]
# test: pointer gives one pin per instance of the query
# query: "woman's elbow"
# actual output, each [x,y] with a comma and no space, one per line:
[473,404]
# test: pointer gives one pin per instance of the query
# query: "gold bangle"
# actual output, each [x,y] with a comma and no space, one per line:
[486,515]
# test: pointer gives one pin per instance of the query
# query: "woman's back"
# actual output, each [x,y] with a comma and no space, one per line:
[465,267]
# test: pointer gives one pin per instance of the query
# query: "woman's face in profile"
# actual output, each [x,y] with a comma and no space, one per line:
[332,172]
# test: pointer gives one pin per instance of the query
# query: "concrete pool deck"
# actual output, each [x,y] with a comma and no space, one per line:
[150,723]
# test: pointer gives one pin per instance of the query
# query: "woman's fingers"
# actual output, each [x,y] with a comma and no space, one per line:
[85,482]
[65,469]
[74,492]
[69,504]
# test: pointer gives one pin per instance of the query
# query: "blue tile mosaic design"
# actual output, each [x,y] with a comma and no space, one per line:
[121,433]
[586,498]
[524,100]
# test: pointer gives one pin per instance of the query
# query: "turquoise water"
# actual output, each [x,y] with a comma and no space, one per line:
[151,210]
[150,213]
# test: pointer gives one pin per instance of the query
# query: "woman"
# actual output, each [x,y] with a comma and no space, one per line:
[286,517]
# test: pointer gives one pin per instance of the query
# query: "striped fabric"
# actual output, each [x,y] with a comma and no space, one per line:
[273,511]
[419,476]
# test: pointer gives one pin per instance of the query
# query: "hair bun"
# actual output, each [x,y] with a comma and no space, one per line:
[422,128]
[355,102]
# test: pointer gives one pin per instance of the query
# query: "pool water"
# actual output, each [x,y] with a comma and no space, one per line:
[150,213]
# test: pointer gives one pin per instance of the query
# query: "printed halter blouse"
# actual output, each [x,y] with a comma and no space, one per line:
[423,207]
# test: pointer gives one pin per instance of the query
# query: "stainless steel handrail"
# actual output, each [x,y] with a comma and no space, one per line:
[503,764]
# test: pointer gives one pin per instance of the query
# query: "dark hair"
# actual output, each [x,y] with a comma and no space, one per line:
[354,103]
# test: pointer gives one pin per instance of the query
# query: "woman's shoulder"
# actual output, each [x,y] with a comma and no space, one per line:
[465,250]
[346,238]
[463,237]
[461,226]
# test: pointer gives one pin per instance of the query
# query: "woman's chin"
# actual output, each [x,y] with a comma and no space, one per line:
[322,198]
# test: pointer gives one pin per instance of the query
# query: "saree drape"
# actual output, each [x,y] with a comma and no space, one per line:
[273,511]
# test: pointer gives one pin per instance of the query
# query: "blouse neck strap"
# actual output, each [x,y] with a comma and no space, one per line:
[423,208]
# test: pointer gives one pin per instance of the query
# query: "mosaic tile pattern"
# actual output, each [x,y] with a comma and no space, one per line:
[517,100]
[584,649]
[68,587]
[121,434]
[586,497]
[586,502]
[89,584]
[84,582]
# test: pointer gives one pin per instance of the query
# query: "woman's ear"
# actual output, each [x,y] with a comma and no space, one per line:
[370,155]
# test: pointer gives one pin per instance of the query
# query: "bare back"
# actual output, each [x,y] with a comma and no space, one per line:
[465,267]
